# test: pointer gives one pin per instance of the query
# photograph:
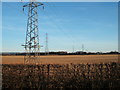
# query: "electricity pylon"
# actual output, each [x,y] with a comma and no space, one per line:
[46,46]
[32,46]
[82,47]
[73,48]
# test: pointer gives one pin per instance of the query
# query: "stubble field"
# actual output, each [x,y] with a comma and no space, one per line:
[62,72]
[64,59]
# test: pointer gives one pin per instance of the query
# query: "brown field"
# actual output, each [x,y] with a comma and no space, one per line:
[57,72]
[63,59]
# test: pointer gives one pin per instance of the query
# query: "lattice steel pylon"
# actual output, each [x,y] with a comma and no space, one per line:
[46,46]
[32,46]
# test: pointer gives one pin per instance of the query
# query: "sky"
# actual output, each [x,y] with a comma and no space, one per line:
[61,0]
[68,24]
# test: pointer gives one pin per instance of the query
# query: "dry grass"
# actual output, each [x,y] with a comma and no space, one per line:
[63,59]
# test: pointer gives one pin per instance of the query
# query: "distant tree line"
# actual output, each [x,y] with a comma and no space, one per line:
[62,53]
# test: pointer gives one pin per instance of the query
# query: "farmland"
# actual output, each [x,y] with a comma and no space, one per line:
[62,72]
[56,76]
[63,59]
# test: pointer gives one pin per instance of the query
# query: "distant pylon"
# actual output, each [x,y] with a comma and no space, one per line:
[82,47]
[46,45]
[32,46]
[73,48]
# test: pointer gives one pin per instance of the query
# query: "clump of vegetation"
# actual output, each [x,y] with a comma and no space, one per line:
[56,76]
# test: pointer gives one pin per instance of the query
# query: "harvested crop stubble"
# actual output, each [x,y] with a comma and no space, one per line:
[46,76]
[64,59]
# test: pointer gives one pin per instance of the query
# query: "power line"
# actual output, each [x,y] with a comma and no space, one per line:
[21,11]
[52,20]
[58,26]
